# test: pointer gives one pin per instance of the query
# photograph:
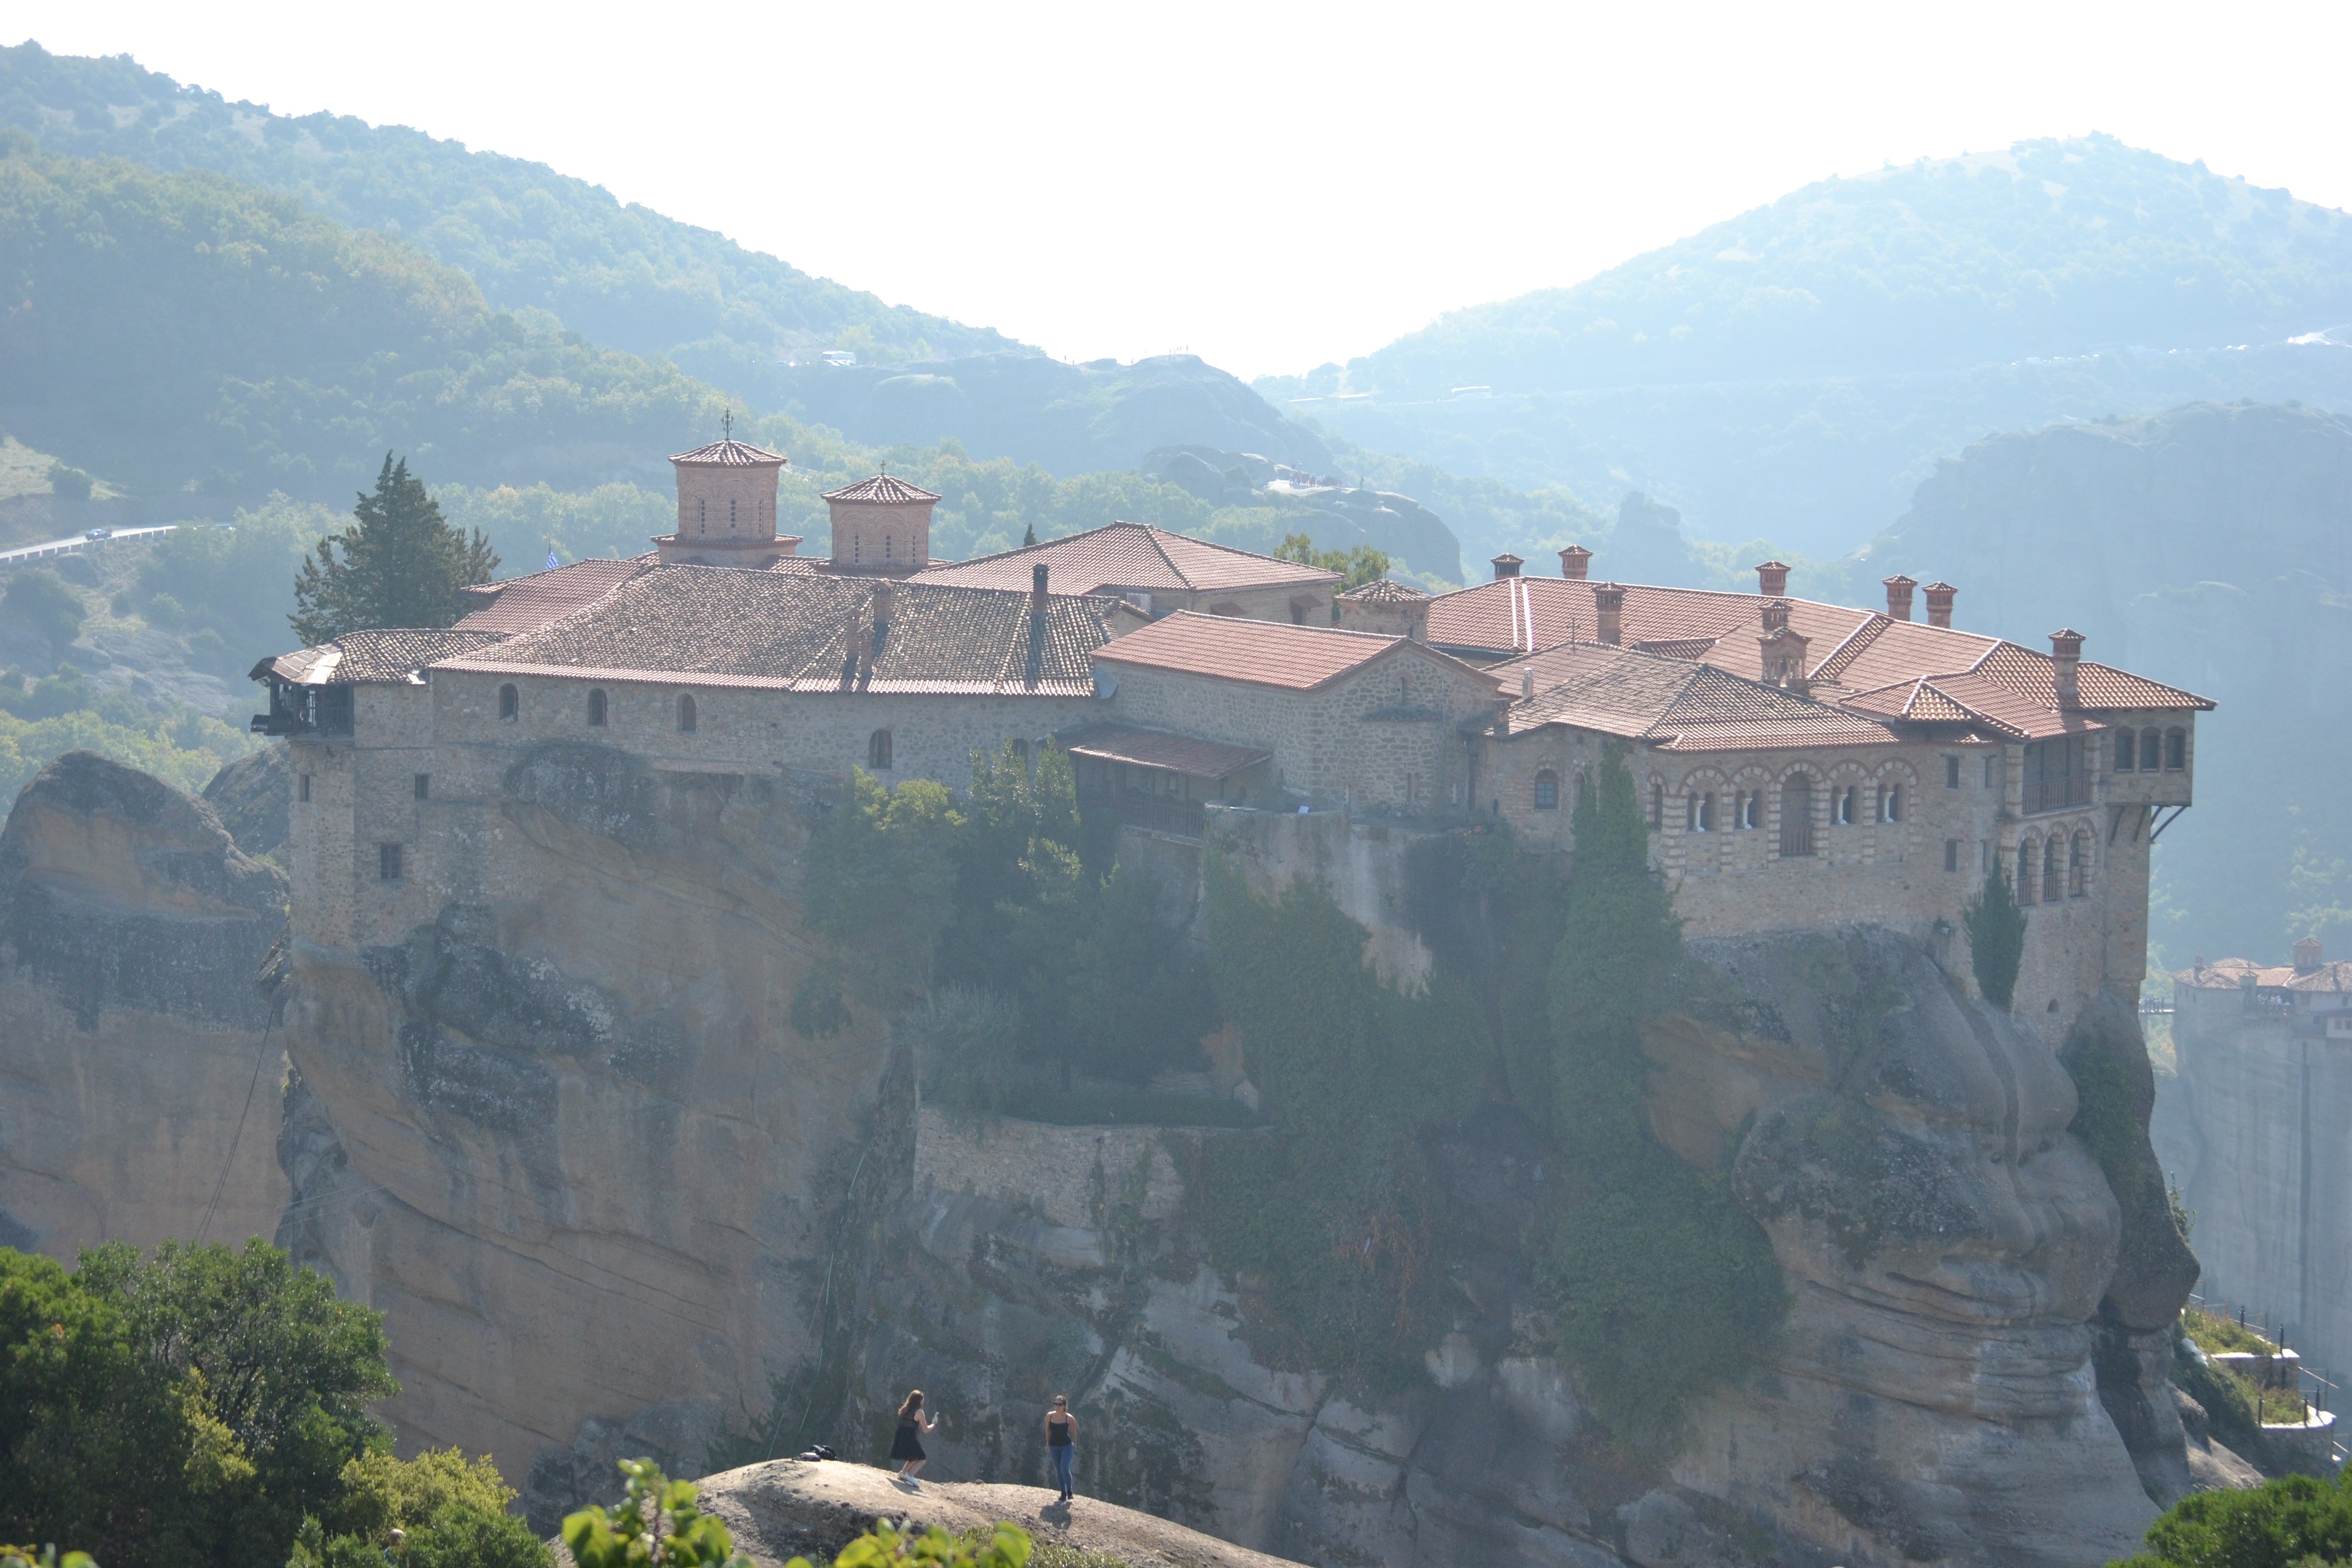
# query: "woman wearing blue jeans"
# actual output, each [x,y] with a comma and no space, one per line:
[1061,1431]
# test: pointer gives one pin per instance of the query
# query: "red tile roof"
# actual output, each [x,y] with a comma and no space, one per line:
[731,454]
[1262,653]
[1673,703]
[882,490]
[2229,975]
[1160,749]
[1132,555]
[390,655]
[525,603]
[1384,591]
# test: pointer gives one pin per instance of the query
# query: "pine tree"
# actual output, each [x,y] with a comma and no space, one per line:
[402,564]
[1028,536]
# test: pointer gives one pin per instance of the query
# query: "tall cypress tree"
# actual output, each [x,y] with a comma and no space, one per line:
[402,564]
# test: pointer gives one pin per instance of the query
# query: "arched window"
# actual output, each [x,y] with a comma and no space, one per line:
[702,516]
[2052,872]
[2028,859]
[889,548]
[2176,750]
[2150,751]
[1797,816]
[877,751]
[2127,751]
[685,713]
[1699,812]
[731,515]
[1547,790]
[2078,866]
[1890,803]
[508,704]
[596,709]
[1843,810]
[856,551]
[1751,808]
[1657,805]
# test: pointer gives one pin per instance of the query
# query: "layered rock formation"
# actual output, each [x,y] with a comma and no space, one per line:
[139,1085]
[563,1134]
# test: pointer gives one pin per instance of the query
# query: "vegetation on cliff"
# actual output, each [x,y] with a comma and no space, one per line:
[402,564]
[1996,929]
[2292,1522]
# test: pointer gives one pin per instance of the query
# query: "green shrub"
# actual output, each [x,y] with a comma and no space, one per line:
[2292,1522]
[39,600]
[1996,929]
[655,1522]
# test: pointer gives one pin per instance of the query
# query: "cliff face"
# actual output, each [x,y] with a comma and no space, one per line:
[1935,1397]
[138,1095]
[563,1135]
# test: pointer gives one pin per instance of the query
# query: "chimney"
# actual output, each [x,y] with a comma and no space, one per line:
[1609,605]
[1506,566]
[1939,603]
[1527,682]
[1574,562]
[2308,956]
[1772,579]
[2066,656]
[1782,650]
[1775,616]
[1037,593]
[1039,601]
[1898,597]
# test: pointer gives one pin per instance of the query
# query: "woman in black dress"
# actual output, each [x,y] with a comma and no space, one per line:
[908,1445]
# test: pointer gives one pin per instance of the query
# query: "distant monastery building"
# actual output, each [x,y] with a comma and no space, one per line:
[1801,764]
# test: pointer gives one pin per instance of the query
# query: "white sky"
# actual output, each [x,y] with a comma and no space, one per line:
[1268,186]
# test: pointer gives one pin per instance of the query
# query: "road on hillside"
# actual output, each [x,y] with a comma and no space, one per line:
[68,546]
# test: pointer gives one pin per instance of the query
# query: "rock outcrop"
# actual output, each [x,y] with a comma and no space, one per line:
[791,1507]
[139,1085]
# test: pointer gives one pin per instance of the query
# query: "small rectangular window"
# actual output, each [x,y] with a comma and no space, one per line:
[303,787]
[1951,854]
[1951,773]
[424,787]
[2176,751]
[1992,773]
[387,862]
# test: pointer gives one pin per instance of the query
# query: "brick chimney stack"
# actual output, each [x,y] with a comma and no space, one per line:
[1782,651]
[1772,579]
[1939,603]
[1574,562]
[1038,596]
[1898,597]
[1609,605]
[2066,655]
[1506,566]
[1527,682]
[2309,956]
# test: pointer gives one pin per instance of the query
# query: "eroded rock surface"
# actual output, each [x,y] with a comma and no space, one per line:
[138,1094]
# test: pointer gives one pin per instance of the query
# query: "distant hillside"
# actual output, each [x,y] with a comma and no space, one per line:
[529,236]
[1794,371]
[2207,546]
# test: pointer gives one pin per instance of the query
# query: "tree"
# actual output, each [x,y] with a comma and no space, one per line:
[39,600]
[402,564]
[877,879]
[1357,565]
[2285,1523]
[1996,929]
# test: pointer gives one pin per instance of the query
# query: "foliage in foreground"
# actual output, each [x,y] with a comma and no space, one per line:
[188,1409]
[2292,1522]
[401,566]
[1996,929]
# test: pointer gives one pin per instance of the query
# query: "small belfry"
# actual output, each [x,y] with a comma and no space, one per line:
[727,505]
[881,526]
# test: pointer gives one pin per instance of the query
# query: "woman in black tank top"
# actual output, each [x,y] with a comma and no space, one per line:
[1061,1437]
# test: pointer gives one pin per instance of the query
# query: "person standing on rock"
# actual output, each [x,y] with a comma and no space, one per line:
[908,1445]
[1061,1435]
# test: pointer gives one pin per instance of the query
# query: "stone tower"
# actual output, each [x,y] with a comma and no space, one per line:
[881,525]
[727,508]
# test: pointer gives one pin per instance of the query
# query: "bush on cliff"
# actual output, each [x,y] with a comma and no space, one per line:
[1996,929]
[2292,1522]
[191,1408]
[1661,1285]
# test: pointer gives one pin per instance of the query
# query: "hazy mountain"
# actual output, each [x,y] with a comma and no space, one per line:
[2206,546]
[529,236]
[1794,371]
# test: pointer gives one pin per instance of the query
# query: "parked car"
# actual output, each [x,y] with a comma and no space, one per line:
[99,533]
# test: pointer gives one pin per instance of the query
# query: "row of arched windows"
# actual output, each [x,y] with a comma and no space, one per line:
[2146,751]
[762,510]
[2051,869]
[1849,806]
[599,708]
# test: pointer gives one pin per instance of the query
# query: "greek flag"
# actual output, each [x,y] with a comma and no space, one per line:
[552,561]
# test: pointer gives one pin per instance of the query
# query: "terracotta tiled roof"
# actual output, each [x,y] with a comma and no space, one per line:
[2229,975]
[2005,709]
[1384,591]
[731,454]
[1262,653]
[810,632]
[1919,700]
[882,490]
[526,603]
[2030,674]
[393,654]
[1160,749]
[1131,555]
[1673,703]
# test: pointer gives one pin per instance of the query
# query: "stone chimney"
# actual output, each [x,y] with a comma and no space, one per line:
[1772,579]
[1574,562]
[1782,651]
[1609,608]
[2067,657]
[1038,596]
[1898,597]
[1527,682]
[1506,566]
[1040,601]
[1939,603]
[2309,956]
